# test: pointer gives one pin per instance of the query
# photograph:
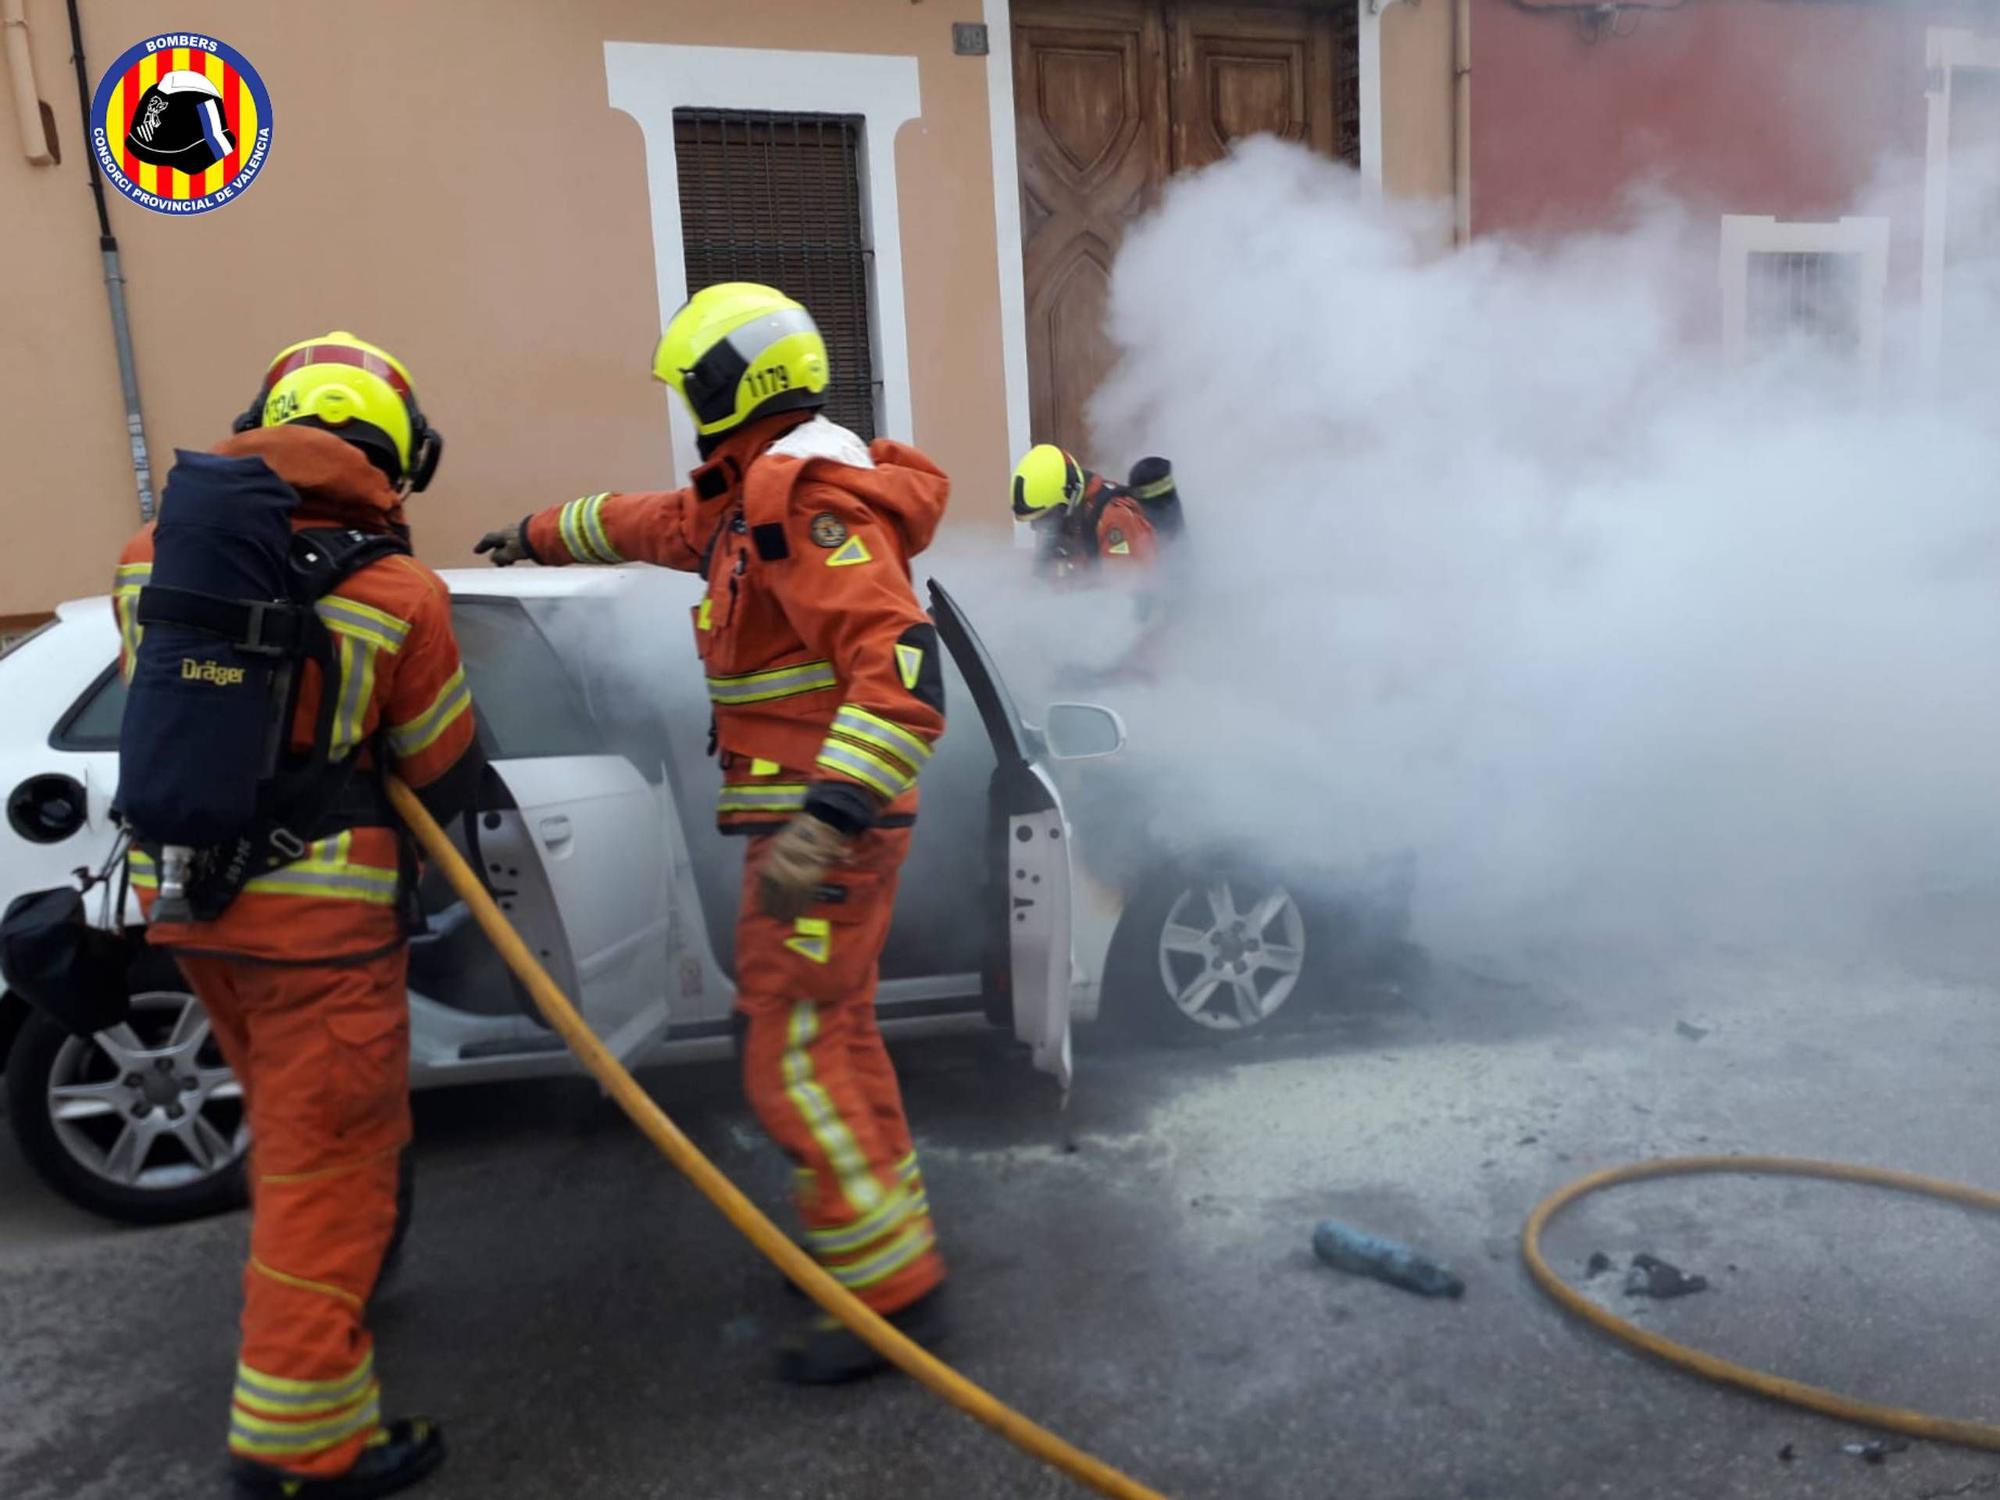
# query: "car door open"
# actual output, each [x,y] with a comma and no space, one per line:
[577,856]
[1030,855]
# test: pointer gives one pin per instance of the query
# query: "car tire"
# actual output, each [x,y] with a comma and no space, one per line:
[1216,949]
[75,1108]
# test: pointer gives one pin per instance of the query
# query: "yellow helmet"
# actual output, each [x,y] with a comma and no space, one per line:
[1046,478]
[738,351]
[356,391]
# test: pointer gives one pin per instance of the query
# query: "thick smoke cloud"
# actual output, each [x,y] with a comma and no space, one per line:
[1499,561]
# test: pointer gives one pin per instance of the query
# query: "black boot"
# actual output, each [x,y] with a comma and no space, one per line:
[823,1352]
[408,1452]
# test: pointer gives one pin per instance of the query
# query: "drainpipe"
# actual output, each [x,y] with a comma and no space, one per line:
[1461,107]
[27,97]
[114,281]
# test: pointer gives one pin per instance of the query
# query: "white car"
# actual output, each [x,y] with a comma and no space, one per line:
[596,836]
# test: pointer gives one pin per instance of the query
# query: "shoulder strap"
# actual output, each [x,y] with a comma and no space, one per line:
[324,557]
[298,799]
[1094,506]
[1078,534]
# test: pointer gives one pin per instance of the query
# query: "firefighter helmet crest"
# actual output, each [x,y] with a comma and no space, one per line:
[179,123]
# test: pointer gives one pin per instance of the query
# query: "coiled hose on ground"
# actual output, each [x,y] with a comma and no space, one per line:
[1727,1372]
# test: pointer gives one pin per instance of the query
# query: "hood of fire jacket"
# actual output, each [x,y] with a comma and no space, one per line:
[337,484]
[898,484]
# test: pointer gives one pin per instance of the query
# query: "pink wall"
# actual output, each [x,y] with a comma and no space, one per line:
[1780,107]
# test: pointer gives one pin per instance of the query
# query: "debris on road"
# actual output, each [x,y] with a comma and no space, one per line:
[1787,1453]
[1653,1277]
[1691,1032]
[1876,1452]
[1597,1265]
[1355,1250]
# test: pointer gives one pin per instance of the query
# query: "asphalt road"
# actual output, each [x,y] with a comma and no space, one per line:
[1136,1270]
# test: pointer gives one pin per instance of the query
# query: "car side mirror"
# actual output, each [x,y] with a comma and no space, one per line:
[1082,731]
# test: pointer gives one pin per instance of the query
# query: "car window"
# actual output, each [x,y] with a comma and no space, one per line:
[628,704]
[92,722]
[526,702]
[985,685]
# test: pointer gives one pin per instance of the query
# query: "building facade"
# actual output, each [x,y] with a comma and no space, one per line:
[1842,152]
[512,195]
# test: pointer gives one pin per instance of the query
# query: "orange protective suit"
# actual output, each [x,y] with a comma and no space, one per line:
[828,695]
[1107,529]
[303,980]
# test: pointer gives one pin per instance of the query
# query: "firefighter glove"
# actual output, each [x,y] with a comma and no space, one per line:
[507,546]
[796,864]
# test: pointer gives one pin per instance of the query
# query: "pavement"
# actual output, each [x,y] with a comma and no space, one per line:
[1135,1269]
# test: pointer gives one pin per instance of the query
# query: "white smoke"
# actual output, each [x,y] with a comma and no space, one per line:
[1496,559]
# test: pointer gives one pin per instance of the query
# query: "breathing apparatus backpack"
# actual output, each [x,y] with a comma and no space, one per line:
[1152,485]
[207,775]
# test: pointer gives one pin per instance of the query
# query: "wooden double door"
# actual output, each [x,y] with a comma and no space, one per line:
[1112,97]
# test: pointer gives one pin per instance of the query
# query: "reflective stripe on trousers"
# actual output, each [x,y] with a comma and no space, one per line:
[821,1081]
[276,1420]
[857,1183]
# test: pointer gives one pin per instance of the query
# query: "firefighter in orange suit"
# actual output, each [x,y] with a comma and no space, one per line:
[1093,532]
[302,974]
[828,694]
[1084,524]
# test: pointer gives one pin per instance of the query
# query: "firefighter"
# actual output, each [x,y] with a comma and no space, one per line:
[1093,532]
[1088,527]
[302,972]
[827,692]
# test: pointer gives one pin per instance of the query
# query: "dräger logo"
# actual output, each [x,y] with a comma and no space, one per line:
[181,123]
[208,671]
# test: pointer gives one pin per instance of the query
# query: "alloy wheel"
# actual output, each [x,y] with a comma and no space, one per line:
[150,1103]
[1231,952]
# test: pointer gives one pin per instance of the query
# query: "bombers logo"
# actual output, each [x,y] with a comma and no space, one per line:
[181,123]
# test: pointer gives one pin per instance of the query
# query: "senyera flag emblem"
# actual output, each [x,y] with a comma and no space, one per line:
[181,123]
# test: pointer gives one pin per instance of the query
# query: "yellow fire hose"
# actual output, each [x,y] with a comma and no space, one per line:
[1776,1387]
[775,1245]
[1038,1441]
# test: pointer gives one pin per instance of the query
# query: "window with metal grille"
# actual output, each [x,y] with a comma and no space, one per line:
[776,198]
[1347,84]
[1798,282]
[1814,295]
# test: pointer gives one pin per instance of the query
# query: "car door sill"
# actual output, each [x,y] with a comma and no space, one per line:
[510,1046]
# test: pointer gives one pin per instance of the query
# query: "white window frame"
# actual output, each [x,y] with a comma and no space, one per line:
[1745,235]
[1000,126]
[650,80]
[1946,51]
[1368,41]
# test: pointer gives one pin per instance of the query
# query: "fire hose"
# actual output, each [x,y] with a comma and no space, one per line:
[1726,1372]
[920,1365]
[1032,1438]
